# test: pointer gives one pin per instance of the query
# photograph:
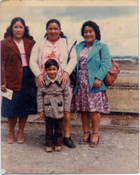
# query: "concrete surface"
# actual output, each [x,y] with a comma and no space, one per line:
[118,152]
[134,123]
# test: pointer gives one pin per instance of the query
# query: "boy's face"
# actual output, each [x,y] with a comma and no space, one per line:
[52,72]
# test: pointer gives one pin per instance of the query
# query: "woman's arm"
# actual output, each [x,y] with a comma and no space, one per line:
[34,65]
[105,63]
[34,60]
[4,57]
[71,64]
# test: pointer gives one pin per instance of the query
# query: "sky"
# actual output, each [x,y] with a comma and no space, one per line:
[118,24]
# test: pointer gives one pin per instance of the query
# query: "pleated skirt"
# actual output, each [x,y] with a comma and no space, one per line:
[23,102]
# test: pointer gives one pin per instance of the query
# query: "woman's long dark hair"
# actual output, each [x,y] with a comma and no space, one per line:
[9,31]
[94,26]
[59,25]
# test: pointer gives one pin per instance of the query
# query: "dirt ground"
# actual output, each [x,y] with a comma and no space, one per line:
[118,152]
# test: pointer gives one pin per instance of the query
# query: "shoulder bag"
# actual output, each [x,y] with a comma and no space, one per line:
[113,72]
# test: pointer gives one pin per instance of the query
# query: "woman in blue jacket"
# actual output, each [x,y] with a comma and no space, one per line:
[90,96]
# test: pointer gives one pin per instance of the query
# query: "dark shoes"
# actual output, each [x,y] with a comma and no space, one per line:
[68,142]
[88,140]
[44,143]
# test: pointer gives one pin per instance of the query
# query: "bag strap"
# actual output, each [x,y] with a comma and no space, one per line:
[111,58]
[70,49]
[100,54]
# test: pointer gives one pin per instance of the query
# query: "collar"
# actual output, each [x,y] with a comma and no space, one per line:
[88,46]
[14,47]
[49,81]
[49,44]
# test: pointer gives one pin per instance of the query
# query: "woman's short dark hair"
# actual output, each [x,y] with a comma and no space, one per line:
[51,62]
[9,31]
[59,25]
[94,26]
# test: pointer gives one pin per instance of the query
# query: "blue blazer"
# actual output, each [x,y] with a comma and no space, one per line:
[97,67]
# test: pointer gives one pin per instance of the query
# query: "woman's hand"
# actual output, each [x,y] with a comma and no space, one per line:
[3,88]
[41,80]
[64,77]
[66,112]
[42,114]
[97,83]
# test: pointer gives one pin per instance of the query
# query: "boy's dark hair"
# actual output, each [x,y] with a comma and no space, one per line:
[51,62]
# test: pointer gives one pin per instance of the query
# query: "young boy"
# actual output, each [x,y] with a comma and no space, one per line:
[53,99]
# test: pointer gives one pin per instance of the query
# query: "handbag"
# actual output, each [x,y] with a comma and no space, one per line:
[112,74]
[73,77]
[73,74]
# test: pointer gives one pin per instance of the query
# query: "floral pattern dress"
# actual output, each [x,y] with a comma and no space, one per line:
[50,52]
[83,100]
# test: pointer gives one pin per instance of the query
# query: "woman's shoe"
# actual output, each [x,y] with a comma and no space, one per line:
[94,144]
[57,148]
[10,138]
[20,138]
[85,141]
[69,142]
[49,149]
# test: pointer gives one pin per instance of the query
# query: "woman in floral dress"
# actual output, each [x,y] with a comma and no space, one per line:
[90,96]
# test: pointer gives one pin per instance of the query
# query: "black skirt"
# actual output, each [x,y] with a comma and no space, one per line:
[23,102]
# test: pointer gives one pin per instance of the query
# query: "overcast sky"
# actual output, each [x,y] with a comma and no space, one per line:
[118,24]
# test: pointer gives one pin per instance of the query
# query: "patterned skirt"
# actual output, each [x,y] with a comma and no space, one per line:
[23,102]
[85,101]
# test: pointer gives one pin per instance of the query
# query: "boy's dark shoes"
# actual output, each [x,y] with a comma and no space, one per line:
[49,149]
[68,142]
